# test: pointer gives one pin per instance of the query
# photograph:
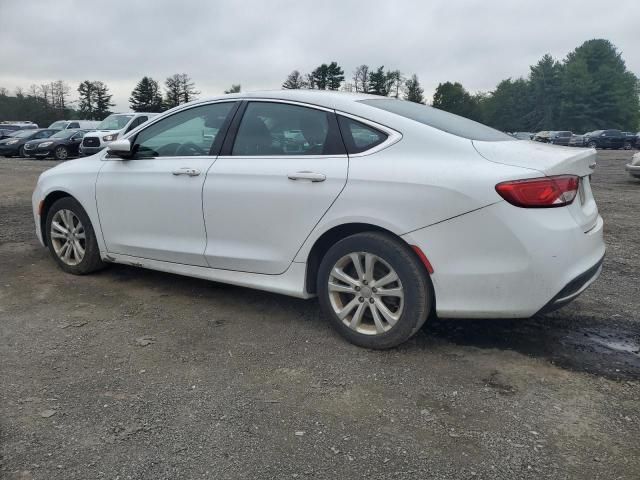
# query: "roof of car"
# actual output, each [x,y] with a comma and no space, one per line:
[323,98]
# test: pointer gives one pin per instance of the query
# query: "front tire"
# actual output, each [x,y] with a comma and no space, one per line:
[71,239]
[374,290]
[61,153]
[592,145]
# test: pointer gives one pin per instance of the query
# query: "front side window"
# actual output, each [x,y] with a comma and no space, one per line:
[187,133]
[359,137]
[276,129]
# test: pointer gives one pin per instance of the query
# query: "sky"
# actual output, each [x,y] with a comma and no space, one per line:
[257,43]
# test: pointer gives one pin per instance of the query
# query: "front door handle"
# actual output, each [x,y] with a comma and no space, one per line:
[314,177]
[192,172]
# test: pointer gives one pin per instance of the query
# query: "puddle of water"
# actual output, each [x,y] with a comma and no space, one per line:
[609,350]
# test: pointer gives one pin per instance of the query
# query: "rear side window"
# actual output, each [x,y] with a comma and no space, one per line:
[445,121]
[74,125]
[359,137]
[277,129]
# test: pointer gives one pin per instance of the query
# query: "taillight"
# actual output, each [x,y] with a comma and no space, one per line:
[545,192]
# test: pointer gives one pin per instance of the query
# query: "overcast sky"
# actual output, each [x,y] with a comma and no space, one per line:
[258,42]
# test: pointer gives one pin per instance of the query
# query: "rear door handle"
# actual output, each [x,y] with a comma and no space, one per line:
[192,172]
[314,177]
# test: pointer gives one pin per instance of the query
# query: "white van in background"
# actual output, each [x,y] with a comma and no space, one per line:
[110,129]
[83,124]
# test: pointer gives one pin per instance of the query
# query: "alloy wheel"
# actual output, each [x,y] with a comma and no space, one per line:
[61,153]
[366,293]
[68,237]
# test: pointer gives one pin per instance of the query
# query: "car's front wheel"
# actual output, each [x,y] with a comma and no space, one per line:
[61,153]
[374,290]
[592,144]
[71,239]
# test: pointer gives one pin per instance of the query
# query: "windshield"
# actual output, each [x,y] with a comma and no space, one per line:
[60,124]
[23,133]
[114,122]
[445,121]
[64,134]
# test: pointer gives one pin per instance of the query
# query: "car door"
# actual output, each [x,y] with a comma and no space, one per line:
[74,142]
[281,168]
[151,205]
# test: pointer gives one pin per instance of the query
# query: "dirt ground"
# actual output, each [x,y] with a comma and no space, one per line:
[134,374]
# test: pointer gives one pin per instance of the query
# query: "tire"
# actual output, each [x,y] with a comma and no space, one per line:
[75,262]
[61,153]
[627,146]
[592,145]
[391,255]
[21,152]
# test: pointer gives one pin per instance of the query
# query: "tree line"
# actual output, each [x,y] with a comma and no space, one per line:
[589,89]
[376,81]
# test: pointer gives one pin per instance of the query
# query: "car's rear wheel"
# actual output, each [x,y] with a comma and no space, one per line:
[627,146]
[61,153]
[71,239]
[592,144]
[374,290]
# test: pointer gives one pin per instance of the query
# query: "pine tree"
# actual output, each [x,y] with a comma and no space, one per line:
[294,81]
[545,81]
[172,93]
[413,90]
[335,76]
[85,100]
[378,82]
[101,100]
[146,96]
[321,77]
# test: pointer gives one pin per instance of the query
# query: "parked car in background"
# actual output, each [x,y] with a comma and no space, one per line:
[26,125]
[472,222]
[633,167]
[576,140]
[68,124]
[632,139]
[60,145]
[542,136]
[522,135]
[6,133]
[14,145]
[613,139]
[560,137]
[110,129]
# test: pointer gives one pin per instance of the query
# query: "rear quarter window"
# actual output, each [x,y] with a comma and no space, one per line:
[359,137]
[439,119]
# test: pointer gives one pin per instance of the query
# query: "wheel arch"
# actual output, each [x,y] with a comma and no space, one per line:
[329,238]
[48,201]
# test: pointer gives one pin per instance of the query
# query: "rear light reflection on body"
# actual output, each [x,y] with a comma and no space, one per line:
[545,192]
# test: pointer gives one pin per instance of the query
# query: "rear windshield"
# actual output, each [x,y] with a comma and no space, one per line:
[445,121]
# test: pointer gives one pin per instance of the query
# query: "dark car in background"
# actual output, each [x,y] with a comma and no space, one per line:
[14,145]
[560,137]
[613,139]
[60,145]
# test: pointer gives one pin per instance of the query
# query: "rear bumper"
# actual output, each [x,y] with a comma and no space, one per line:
[506,262]
[574,288]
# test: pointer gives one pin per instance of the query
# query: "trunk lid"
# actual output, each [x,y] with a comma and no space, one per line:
[551,160]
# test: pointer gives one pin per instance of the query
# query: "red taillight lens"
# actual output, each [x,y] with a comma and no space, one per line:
[543,192]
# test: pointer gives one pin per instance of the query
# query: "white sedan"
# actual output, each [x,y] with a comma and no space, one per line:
[387,210]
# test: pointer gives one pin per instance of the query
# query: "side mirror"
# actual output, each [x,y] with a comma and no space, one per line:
[120,148]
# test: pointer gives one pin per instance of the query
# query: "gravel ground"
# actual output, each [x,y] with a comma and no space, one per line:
[134,374]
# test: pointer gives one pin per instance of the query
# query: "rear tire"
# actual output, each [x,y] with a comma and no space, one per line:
[627,146]
[71,239]
[592,145]
[382,302]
